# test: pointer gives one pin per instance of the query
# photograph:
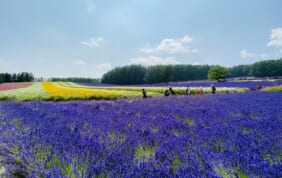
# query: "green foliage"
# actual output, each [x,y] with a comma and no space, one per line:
[158,74]
[76,79]
[219,169]
[229,172]
[137,74]
[16,77]
[69,171]
[266,68]
[240,71]
[241,174]
[144,152]
[274,89]
[33,92]
[189,121]
[132,74]
[217,73]
[269,68]
[175,163]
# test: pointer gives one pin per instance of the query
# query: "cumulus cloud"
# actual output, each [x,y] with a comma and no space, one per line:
[275,38]
[79,62]
[170,45]
[154,60]
[246,54]
[93,42]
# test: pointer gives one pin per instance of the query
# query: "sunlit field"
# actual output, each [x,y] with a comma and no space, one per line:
[220,135]
[65,129]
[140,89]
[56,91]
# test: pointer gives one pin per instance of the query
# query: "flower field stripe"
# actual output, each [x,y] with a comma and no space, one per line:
[104,92]
[68,91]
[160,90]
[135,91]
[59,91]
[225,135]
[12,86]
[274,89]
[33,92]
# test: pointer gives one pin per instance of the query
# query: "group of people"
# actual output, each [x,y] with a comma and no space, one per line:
[170,92]
[201,90]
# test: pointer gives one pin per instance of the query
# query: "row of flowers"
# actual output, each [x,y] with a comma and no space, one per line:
[68,91]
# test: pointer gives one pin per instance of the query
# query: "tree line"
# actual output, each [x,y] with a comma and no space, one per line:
[138,74]
[266,68]
[16,77]
[76,79]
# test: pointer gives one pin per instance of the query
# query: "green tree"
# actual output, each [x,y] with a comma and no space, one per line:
[1,79]
[132,74]
[218,73]
[240,71]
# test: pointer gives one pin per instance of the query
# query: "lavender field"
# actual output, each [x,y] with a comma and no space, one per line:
[241,84]
[221,135]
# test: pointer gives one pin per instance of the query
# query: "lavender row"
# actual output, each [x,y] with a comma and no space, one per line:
[247,84]
[196,136]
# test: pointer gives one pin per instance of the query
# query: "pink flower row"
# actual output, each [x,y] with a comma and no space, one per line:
[11,86]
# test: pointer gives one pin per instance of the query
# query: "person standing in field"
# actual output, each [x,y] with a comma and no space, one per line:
[188,90]
[144,93]
[213,89]
[169,92]
[201,91]
[258,87]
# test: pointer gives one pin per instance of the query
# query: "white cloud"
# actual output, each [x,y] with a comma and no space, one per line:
[97,70]
[170,45]
[246,54]
[104,66]
[275,38]
[154,60]
[79,62]
[147,49]
[93,42]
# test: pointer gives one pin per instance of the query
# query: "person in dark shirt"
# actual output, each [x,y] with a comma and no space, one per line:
[169,92]
[213,89]
[144,93]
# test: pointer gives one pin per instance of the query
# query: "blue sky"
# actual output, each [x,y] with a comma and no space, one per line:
[85,38]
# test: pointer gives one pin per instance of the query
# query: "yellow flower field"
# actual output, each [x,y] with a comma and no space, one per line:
[59,91]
